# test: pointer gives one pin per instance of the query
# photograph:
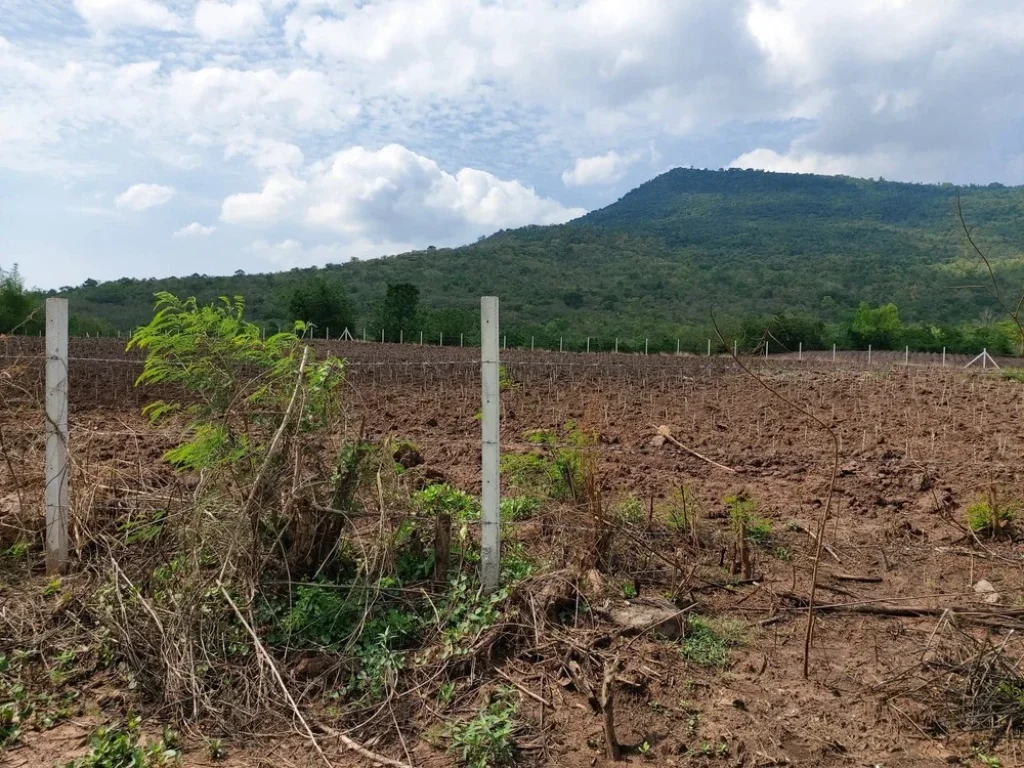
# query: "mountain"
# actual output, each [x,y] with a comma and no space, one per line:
[741,243]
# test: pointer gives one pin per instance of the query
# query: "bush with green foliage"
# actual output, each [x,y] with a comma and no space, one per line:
[442,498]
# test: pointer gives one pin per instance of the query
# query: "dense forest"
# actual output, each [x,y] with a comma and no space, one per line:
[807,253]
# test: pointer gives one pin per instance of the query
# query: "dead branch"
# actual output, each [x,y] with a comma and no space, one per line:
[611,744]
[665,432]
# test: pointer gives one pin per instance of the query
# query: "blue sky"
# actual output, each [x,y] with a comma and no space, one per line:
[156,137]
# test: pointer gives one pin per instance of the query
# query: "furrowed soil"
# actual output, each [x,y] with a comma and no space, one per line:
[913,447]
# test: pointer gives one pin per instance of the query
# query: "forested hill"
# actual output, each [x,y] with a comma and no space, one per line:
[742,243]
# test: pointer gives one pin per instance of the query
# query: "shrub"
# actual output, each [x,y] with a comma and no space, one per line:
[442,498]
[558,471]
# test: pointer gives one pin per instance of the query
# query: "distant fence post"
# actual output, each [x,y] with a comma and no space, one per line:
[421,338]
[906,356]
[56,429]
[327,334]
[616,343]
[460,339]
[504,341]
[943,357]
[984,359]
[381,335]
[647,345]
[364,333]
[401,337]
[588,343]
[532,339]
[869,354]
[490,502]
[734,346]
[800,353]
[559,343]
[709,347]
[833,354]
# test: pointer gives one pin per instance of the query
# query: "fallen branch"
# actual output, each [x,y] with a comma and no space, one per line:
[1007,618]
[667,434]
[814,538]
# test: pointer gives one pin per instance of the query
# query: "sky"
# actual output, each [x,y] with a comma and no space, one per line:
[146,138]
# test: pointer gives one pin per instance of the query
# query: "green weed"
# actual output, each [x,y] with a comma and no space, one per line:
[486,740]
[707,642]
[630,510]
[119,747]
[518,508]
[991,516]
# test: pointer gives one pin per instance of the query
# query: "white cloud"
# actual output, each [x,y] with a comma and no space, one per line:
[139,197]
[393,195]
[195,229]
[228,21]
[608,168]
[393,190]
[108,15]
[266,206]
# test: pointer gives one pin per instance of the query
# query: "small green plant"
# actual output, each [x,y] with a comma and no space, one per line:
[52,588]
[989,515]
[988,761]
[446,693]
[784,554]
[320,616]
[515,565]
[443,499]
[683,511]
[505,381]
[18,550]
[628,590]
[468,612]
[630,510]
[743,513]
[557,471]
[216,750]
[645,749]
[119,747]
[10,724]
[707,643]
[486,740]
[517,508]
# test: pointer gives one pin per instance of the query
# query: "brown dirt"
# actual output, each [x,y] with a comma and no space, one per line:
[917,445]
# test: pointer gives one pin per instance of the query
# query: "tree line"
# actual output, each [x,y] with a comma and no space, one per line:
[325,306]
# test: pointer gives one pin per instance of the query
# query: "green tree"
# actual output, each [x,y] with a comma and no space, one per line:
[323,304]
[880,327]
[19,310]
[400,311]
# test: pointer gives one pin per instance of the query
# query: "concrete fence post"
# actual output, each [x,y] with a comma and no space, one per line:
[56,430]
[490,501]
